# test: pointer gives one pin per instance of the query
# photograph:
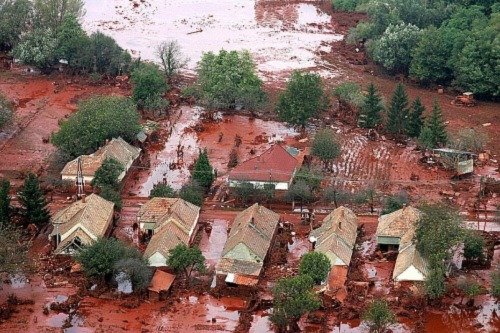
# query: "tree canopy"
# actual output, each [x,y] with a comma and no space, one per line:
[108,173]
[148,84]
[378,316]
[203,173]
[316,265]
[4,202]
[398,112]
[325,146]
[433,134]
[372,108]
[162,190]
[32,199]
[186,260]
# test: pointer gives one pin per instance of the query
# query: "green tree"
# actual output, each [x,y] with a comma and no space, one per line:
[316,265]
[435,286]
[495,283]
[162,190]
[299,191]
[394,203]
[394,49]
[293,297]
[5,111]
[98,119]
[107,174]
[326,147]
[474,246]
[302,99]
[148,84]
[73,44]
[229,80]
[4,202]
[100,258]
[171,58]
[370,115]
[244,192]
[193,193]
[434,133]
[37,48]
[416,119]
[14,20]
[311,176]
[186,260]
[397,115]
[31,197]
[203,173]
[378,316]
[14,252]
[345,5]
[136,270]
[469,288]
[106,56]
[111,194]
[51,13]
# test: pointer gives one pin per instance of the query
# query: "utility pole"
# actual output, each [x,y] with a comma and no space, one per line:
[79,179]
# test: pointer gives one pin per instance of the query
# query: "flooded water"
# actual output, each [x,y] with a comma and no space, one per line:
[297,248]
[283,37]
[212,244]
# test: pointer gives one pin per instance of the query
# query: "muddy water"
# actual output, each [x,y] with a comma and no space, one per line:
[212,243]
[282,37]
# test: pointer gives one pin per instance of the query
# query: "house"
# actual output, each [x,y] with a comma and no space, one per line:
[117,149]
[170,221]
[398,229]
[337,236]
[81,223]
[247,246]
[276,166]
[160,285]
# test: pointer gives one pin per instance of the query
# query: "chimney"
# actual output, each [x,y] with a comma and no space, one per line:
[340,225]
[169,210]
[83,198]
[252,221]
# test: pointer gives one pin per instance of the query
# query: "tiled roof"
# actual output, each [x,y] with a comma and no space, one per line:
[117,149]
[161,281]
[397,223]
[274,165]
[408,256]
[165,239]
[77,234]
[161,210]
[253,229]
[93,215]
[337,235]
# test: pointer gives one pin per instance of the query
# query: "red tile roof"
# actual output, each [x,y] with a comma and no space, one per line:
[274,165]
[161,281]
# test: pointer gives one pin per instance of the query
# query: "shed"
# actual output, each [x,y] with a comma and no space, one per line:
[461,161]
[160,285]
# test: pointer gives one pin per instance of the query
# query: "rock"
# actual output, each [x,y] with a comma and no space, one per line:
[486,124]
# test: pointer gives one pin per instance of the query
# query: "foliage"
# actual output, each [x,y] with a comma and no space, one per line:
[14,258]
[5,111]
[111,194]
[299,191]
[100,258]
[302,99]
[345,5]
[14,20]
[229,80]
[435,282]
[394,49]
[495,283]
[106,57]
[203,173]
[311,176]
[469,139]
[394,203]
[416,118]
[73,44]
[325,146]
[474,246]
[31,197]
[293,297]
[370,115]
[397,114]
[107,174]
[469,288]
[186,260]
[148,84]
[51,13]
[136,270]
[98,119]
[162,190]
[378,316]
[193,193]
[434,134]
[316,265]
[4,202]
[171,58]
[37,48]
[350,93]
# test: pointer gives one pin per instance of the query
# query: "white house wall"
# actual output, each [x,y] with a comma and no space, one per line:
[410,274]
[278,186]
[157,260]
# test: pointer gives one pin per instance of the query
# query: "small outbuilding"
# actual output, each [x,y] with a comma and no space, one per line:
[160,285]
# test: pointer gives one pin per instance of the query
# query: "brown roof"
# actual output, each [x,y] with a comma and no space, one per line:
[162,210]
[78,234]
[117,149]
[244,280]
[408,255]
[337,234]
[92,216]
[397,223]
[274,165]
[161,281]
[253,229]
[165,239]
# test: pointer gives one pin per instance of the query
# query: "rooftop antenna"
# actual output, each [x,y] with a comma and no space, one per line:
[79,179]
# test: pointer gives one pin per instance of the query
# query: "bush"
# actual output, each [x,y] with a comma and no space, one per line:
[136,270]
[97,120]
[469,139]
[5,111]
[148,84]
[162,190]
[345,5]
[106,57]
[302,99]
[229,80]
[474,246]
[350,93]
[325,146]
[378,316]
[193,193]
[316,265]
[469,288]
[100,258]
[14,20]
[38,49]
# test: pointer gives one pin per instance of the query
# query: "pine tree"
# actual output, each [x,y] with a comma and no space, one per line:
[203,172]
[33,201]
[416,120]
[4,202]
[434,132]
[371,109]
[397,117]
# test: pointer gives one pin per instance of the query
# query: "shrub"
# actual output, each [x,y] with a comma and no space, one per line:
[229,80]
[495,283]
[5,111]
[37,48]
[316,265]
[97,120]
[474,246]
[136,270]
[350,93]
[378,316]
[193,193]
[325,146]
[302,99]
[162,190]
[148,84]
[469,139]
